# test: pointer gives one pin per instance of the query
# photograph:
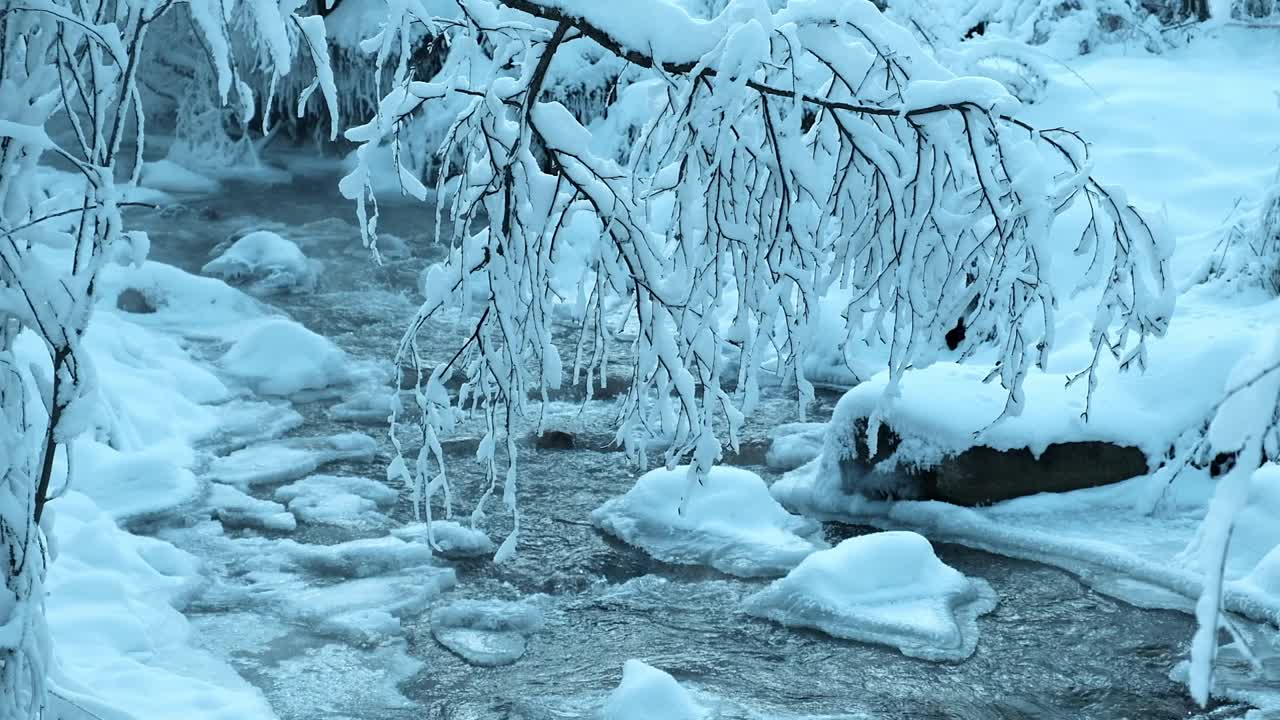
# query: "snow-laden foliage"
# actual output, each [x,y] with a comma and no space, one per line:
[73,66]
[776,156]
[1249,252]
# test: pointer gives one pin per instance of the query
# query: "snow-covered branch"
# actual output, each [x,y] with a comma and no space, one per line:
[772,158]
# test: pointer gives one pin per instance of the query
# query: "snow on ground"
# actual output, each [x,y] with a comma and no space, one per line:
[124,650]
[265,263]
[487,633]
[729,522]
[887,588]
[353,502]
[283,460]
[118,635]
[647,692]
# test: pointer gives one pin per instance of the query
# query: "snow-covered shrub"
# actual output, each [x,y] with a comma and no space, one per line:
[766,172]
[1248,256]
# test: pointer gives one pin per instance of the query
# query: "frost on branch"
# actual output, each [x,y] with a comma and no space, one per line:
[776,156]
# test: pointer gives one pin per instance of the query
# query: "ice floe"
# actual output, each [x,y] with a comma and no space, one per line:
[886,588]
[729,521]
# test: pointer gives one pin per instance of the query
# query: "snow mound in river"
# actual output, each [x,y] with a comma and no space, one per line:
[886,588]
[267,263]
[281,357]
[729,522]
[647,692]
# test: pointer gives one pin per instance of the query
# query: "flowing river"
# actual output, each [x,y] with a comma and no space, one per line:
[1052,649]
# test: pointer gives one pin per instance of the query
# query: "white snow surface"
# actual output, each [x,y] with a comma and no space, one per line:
[729,522]
[450,538]
[266,263]
[886,587]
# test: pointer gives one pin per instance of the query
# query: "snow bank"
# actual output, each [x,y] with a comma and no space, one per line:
[729,522]
[487,633]
[121,643]
[266,263]
[353,502]
[885,588]
[647,692]
[283,460]
[281,357]
[186,305]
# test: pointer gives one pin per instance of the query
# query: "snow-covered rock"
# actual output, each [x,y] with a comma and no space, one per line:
[265,263]
[345,501]
[886,588]
[729,521]
[283,460]
[487,633]
[647,692]
[281,357]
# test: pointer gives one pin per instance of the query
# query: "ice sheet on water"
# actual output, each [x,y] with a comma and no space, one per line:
[283,460]
[647,692]
[729,522]
[488,633]
[452,539]
[372,406]
[345,501]
[886,588]
[244,422]
[237,509]
[358,558]
[405,593]
[265,263]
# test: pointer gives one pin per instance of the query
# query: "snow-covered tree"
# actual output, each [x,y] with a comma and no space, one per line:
[68,89]
[744,166]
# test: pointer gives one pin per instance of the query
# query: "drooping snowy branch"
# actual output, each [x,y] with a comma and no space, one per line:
[774,157]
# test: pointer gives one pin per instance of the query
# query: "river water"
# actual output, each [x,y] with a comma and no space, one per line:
[1052,649]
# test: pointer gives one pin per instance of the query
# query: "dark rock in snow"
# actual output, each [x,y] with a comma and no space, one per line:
[555,440]
[132,300]
[983,475]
